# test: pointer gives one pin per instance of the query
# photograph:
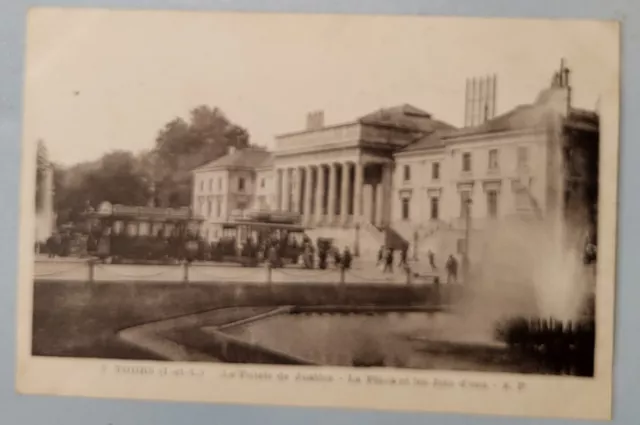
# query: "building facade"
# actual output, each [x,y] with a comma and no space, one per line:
[224,186]
[399,170]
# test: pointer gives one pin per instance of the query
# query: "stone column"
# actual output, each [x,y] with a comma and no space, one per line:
[296,189]
[357,192]
[379,203]
[320,190]
[331,213]
[344,192]
[279,183]
[386,193]
[308,188]
[286,189]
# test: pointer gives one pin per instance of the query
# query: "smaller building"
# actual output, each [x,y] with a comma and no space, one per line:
[227,185]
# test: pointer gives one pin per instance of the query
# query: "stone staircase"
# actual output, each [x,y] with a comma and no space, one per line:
[370,238]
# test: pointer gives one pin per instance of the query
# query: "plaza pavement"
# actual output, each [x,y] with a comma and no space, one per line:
[74,269]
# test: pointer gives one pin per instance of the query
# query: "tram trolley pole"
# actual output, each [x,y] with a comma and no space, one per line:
[342,287]
[92,270]
[185,272]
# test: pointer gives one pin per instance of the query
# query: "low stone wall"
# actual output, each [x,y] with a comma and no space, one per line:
[289,293]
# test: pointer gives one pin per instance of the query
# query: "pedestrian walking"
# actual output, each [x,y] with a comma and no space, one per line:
[381,252]
[432,260]
[346,258]
[452,269]
[403,257]
[388,264]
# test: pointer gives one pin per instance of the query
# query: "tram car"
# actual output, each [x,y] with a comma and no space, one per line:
[253,235]
[130,234]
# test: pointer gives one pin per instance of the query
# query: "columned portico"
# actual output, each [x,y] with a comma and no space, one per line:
[337,193]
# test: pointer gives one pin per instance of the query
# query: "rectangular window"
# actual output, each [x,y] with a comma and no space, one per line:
[493,159]
[262,183]
[466,162]
[405,209]
[201,185]
[144,228]
[435,207]
[460,246]
[407,173]
[220,183]
[209,208]
[210,185]
[435,171]
[241,184]
[492,203]
[465,203]
[523,157]
[219,208]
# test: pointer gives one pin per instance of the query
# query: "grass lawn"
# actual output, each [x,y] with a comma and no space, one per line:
[74,319]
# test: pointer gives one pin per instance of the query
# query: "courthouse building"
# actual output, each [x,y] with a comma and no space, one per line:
[400,173]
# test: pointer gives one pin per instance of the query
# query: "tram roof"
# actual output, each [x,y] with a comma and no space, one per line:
[259,224]
[143,213]
[265,216]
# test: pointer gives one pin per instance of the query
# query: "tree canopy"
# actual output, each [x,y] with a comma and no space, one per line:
[161,175]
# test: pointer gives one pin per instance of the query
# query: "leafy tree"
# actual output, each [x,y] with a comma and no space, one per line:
[161,175]
[182,146]
[116,178]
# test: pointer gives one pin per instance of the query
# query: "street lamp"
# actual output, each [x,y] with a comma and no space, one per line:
[467,233]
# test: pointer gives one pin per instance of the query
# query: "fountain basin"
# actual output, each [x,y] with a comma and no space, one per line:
[417,338]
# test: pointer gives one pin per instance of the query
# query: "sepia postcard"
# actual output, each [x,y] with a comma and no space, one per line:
[403,213]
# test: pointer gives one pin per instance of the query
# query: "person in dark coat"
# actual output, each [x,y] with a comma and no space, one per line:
[322,257]
[388,264]
[403,256]
[380,256]
[432,260]
[337,258]
[347,259]
[452,269]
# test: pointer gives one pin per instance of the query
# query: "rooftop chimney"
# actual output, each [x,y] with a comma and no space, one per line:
[480,100]
[315,120]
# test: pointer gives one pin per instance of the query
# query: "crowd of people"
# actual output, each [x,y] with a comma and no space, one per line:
[386,257]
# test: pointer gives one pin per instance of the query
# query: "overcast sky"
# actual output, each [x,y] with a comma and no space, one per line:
[98,80]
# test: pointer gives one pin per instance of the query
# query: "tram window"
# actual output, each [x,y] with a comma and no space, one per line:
[144,229]
[156,229]
[131,229]
[117,227]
